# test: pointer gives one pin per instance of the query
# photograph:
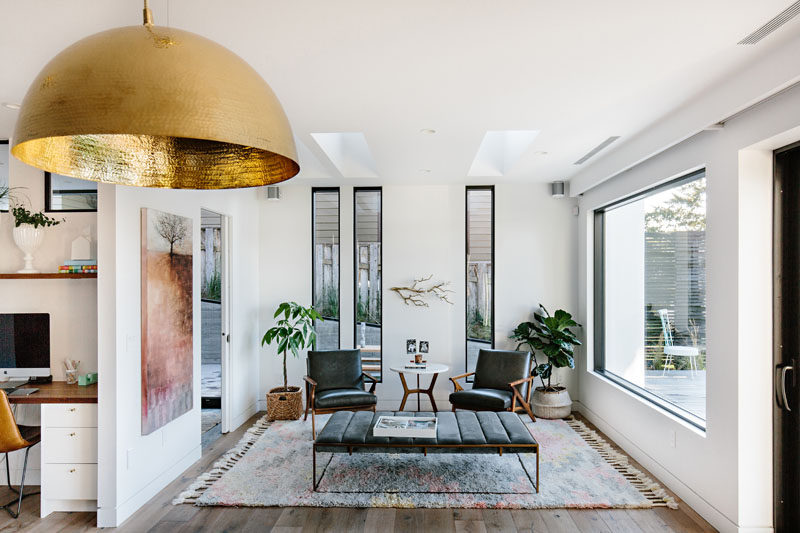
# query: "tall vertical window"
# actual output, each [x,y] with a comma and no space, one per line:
[650,295]
[367,238]
[325,282]
[480,271]
[4,163]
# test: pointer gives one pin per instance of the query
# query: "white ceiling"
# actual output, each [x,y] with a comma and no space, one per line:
[575,71]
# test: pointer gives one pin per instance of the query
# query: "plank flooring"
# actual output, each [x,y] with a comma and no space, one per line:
[160,516]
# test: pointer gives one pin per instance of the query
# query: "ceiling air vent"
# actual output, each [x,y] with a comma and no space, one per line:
[273,192]
[780,19]
[596,149]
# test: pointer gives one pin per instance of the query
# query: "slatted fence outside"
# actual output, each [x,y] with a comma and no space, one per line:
[326,279]
[675,279]
[369,280]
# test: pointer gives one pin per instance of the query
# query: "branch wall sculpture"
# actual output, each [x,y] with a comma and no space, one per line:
[417,293]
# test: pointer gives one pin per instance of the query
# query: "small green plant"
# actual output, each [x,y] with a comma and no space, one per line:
[293,331]
[551,336]
[23,216]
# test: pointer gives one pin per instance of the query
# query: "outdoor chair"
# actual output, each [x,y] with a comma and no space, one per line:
[335,382]
[671,351]
[502,382]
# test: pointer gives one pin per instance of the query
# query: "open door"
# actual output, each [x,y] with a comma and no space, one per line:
[786,355]
[215,337]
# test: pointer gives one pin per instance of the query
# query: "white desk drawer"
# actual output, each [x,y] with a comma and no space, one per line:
[69,482]
[69,445]
[70,415]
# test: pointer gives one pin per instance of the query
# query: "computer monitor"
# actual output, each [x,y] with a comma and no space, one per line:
[24,345]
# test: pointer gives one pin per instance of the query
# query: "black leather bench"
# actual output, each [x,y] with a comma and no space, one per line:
[459,432]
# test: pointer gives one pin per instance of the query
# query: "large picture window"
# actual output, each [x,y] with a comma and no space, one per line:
[325,271]
[650,295]
[480,271]
[367,238]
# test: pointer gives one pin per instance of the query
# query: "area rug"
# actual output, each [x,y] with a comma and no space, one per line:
[271,467]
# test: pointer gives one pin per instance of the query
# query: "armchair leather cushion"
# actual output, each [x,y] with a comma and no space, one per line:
[353,397]
[495,369]
[335,369]
[478,399]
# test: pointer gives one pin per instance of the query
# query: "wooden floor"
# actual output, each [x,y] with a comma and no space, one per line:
[159,515]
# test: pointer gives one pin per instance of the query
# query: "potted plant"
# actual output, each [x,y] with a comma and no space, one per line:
[551,336]
[293,332]
[29,232]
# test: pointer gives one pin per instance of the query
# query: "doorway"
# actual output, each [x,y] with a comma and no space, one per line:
[215,336]
[786,354]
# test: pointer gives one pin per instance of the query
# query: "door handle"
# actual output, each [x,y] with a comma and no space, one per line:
[780,385]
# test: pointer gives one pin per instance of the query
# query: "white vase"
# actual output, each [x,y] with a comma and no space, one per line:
[28,239]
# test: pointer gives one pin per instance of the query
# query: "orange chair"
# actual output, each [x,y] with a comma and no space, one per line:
[13,438]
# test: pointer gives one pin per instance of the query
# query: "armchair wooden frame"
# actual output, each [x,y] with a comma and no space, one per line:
[311,388]
[524,403]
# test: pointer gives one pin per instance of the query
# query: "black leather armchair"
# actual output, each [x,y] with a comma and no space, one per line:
[335,382]
[503,381]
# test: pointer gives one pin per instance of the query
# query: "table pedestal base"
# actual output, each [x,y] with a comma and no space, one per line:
[418,391]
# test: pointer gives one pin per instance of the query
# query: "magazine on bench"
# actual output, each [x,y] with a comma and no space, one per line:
[421,427]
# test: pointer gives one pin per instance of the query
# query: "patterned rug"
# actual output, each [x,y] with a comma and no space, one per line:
[271,467]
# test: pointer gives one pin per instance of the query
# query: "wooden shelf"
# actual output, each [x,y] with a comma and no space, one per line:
[48,275]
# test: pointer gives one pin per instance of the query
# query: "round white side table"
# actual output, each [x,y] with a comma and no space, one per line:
[432,368]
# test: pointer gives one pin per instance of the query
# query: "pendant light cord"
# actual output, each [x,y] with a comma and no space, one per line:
[147,15]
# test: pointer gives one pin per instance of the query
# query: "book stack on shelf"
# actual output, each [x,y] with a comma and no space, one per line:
[78,266]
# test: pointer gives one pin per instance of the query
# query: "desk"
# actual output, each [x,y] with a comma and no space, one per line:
[57,392]
[68,415]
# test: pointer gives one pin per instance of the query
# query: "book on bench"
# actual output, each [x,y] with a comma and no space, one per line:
[422,427]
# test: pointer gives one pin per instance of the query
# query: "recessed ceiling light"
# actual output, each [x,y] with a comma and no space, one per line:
[8,105]
[427,131]
[541,152]
[425,170]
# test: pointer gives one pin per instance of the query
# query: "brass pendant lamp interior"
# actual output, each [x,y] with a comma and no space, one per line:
[154,106]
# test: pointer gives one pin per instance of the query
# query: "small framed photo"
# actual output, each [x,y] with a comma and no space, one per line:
[423,346]
[411,346]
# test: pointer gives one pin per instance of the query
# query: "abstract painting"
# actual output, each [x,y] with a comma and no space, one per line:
[167,318]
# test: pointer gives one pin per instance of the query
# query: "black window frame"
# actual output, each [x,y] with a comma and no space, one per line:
[5,141]
[356,190]
[599,300]
[467,190]
[314,191]
[48,189]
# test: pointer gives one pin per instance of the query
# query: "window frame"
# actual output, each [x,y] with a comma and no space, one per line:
[599,268]
[48,193]
[467,190]
[356,190]
[314,191]
[5,141]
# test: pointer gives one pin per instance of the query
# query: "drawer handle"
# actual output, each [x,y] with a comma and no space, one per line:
[72,434]
[72,409]
[71,470]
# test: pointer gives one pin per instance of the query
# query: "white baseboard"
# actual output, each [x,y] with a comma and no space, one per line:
[113,517]
[710,513]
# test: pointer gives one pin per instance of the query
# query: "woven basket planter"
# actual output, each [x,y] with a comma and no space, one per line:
[551,404]
[282,405]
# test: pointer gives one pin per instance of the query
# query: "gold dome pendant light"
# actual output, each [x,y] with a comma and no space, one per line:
[155,107]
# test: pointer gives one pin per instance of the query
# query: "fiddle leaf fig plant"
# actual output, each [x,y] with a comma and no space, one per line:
[550,335]
[292,332]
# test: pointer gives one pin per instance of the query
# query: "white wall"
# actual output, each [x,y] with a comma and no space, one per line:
[133,468]
[423,233]
[724,473]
